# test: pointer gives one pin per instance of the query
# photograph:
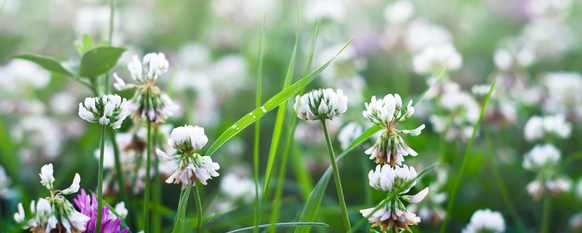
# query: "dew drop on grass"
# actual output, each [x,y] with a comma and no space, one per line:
[263,109]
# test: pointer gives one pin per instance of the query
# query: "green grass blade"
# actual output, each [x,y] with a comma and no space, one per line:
[181,214]
[277,137]
[465,162]
[271,104]
[283,224]
[256,149]
[312,205]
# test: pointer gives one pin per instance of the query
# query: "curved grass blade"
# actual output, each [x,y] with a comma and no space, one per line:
[181,214]
[464,163]
[283,224]
[271,104]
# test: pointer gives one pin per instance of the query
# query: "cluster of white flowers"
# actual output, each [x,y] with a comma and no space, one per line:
[485,221]
[53,212]
[391,175]
[387,112]
[108,110]
[149,102]
[192,167]
[321,104]
[462,112]
[434,58]
[545,159]
[538,128]
[563,94]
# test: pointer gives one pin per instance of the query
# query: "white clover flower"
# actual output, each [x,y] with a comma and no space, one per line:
[321,104]
[43,219]
[108,110]
[433,59]
[149,102]
[192,166]
[391,216]
[74,186]
[387,112]
[399,12]
[348,134]
[563,94]
[538,127]
[485,221]
[541,156]
[238,187]
[389,179]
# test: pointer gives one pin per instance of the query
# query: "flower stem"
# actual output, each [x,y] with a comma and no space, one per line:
[198,209]
[336,177]
[546,213]
[100,179]
[146,196]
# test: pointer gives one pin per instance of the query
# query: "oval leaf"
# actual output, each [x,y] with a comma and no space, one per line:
[48,63]
[98,61]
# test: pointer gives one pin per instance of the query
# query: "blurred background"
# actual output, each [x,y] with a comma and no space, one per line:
[531,48]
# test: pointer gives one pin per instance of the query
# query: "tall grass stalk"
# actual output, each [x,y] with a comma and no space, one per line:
[336,177]
[257,141]
[547,213]
[500,184]
[100,178]
[465,162]
[199,212]
[146,196]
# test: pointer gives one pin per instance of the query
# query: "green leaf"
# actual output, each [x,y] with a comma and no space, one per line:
[181,214]
[48,63]
[99,61]
[271,104]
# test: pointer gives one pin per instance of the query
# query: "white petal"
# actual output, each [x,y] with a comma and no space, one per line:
[419,196]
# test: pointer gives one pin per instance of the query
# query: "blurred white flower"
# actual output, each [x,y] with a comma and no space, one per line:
[348,134]
[108,110]
[539,128]
[4,183]
[192,166]
[555,186]
[334,11]
[399,12]
[74,186]
[563,94]
[421,34]
[462,112]
[19,75]
[238,185]
[434,58]
[485,221]
[321,104]
[121,210]
[550,9]
[541,156]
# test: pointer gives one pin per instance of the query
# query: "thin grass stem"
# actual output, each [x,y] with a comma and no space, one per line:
[257,142]
[199,212]
[119,175]
[336,177]
[100,179]
[546,213]
[146,196]
[465,162]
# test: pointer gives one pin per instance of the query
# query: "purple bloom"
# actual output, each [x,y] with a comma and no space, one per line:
[87,204]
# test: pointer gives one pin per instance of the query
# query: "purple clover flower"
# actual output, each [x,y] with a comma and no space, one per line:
[87,205]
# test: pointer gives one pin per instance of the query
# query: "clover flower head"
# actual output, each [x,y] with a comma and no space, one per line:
[192,166]
[392,215]
[149,102]
[541,156]
[321,104]
[108,110]
[389,179]
[555,186]
[485,221]
[87,204]
[461,114]
[538,127]
[434,58]
[53,212]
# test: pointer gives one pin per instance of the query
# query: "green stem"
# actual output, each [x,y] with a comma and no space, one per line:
[257,142]
[100,180]
[336,177]
[501,184]
[156,220]
[546,213]
[146,196]
[110,37]
[198,209]
[119,174]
